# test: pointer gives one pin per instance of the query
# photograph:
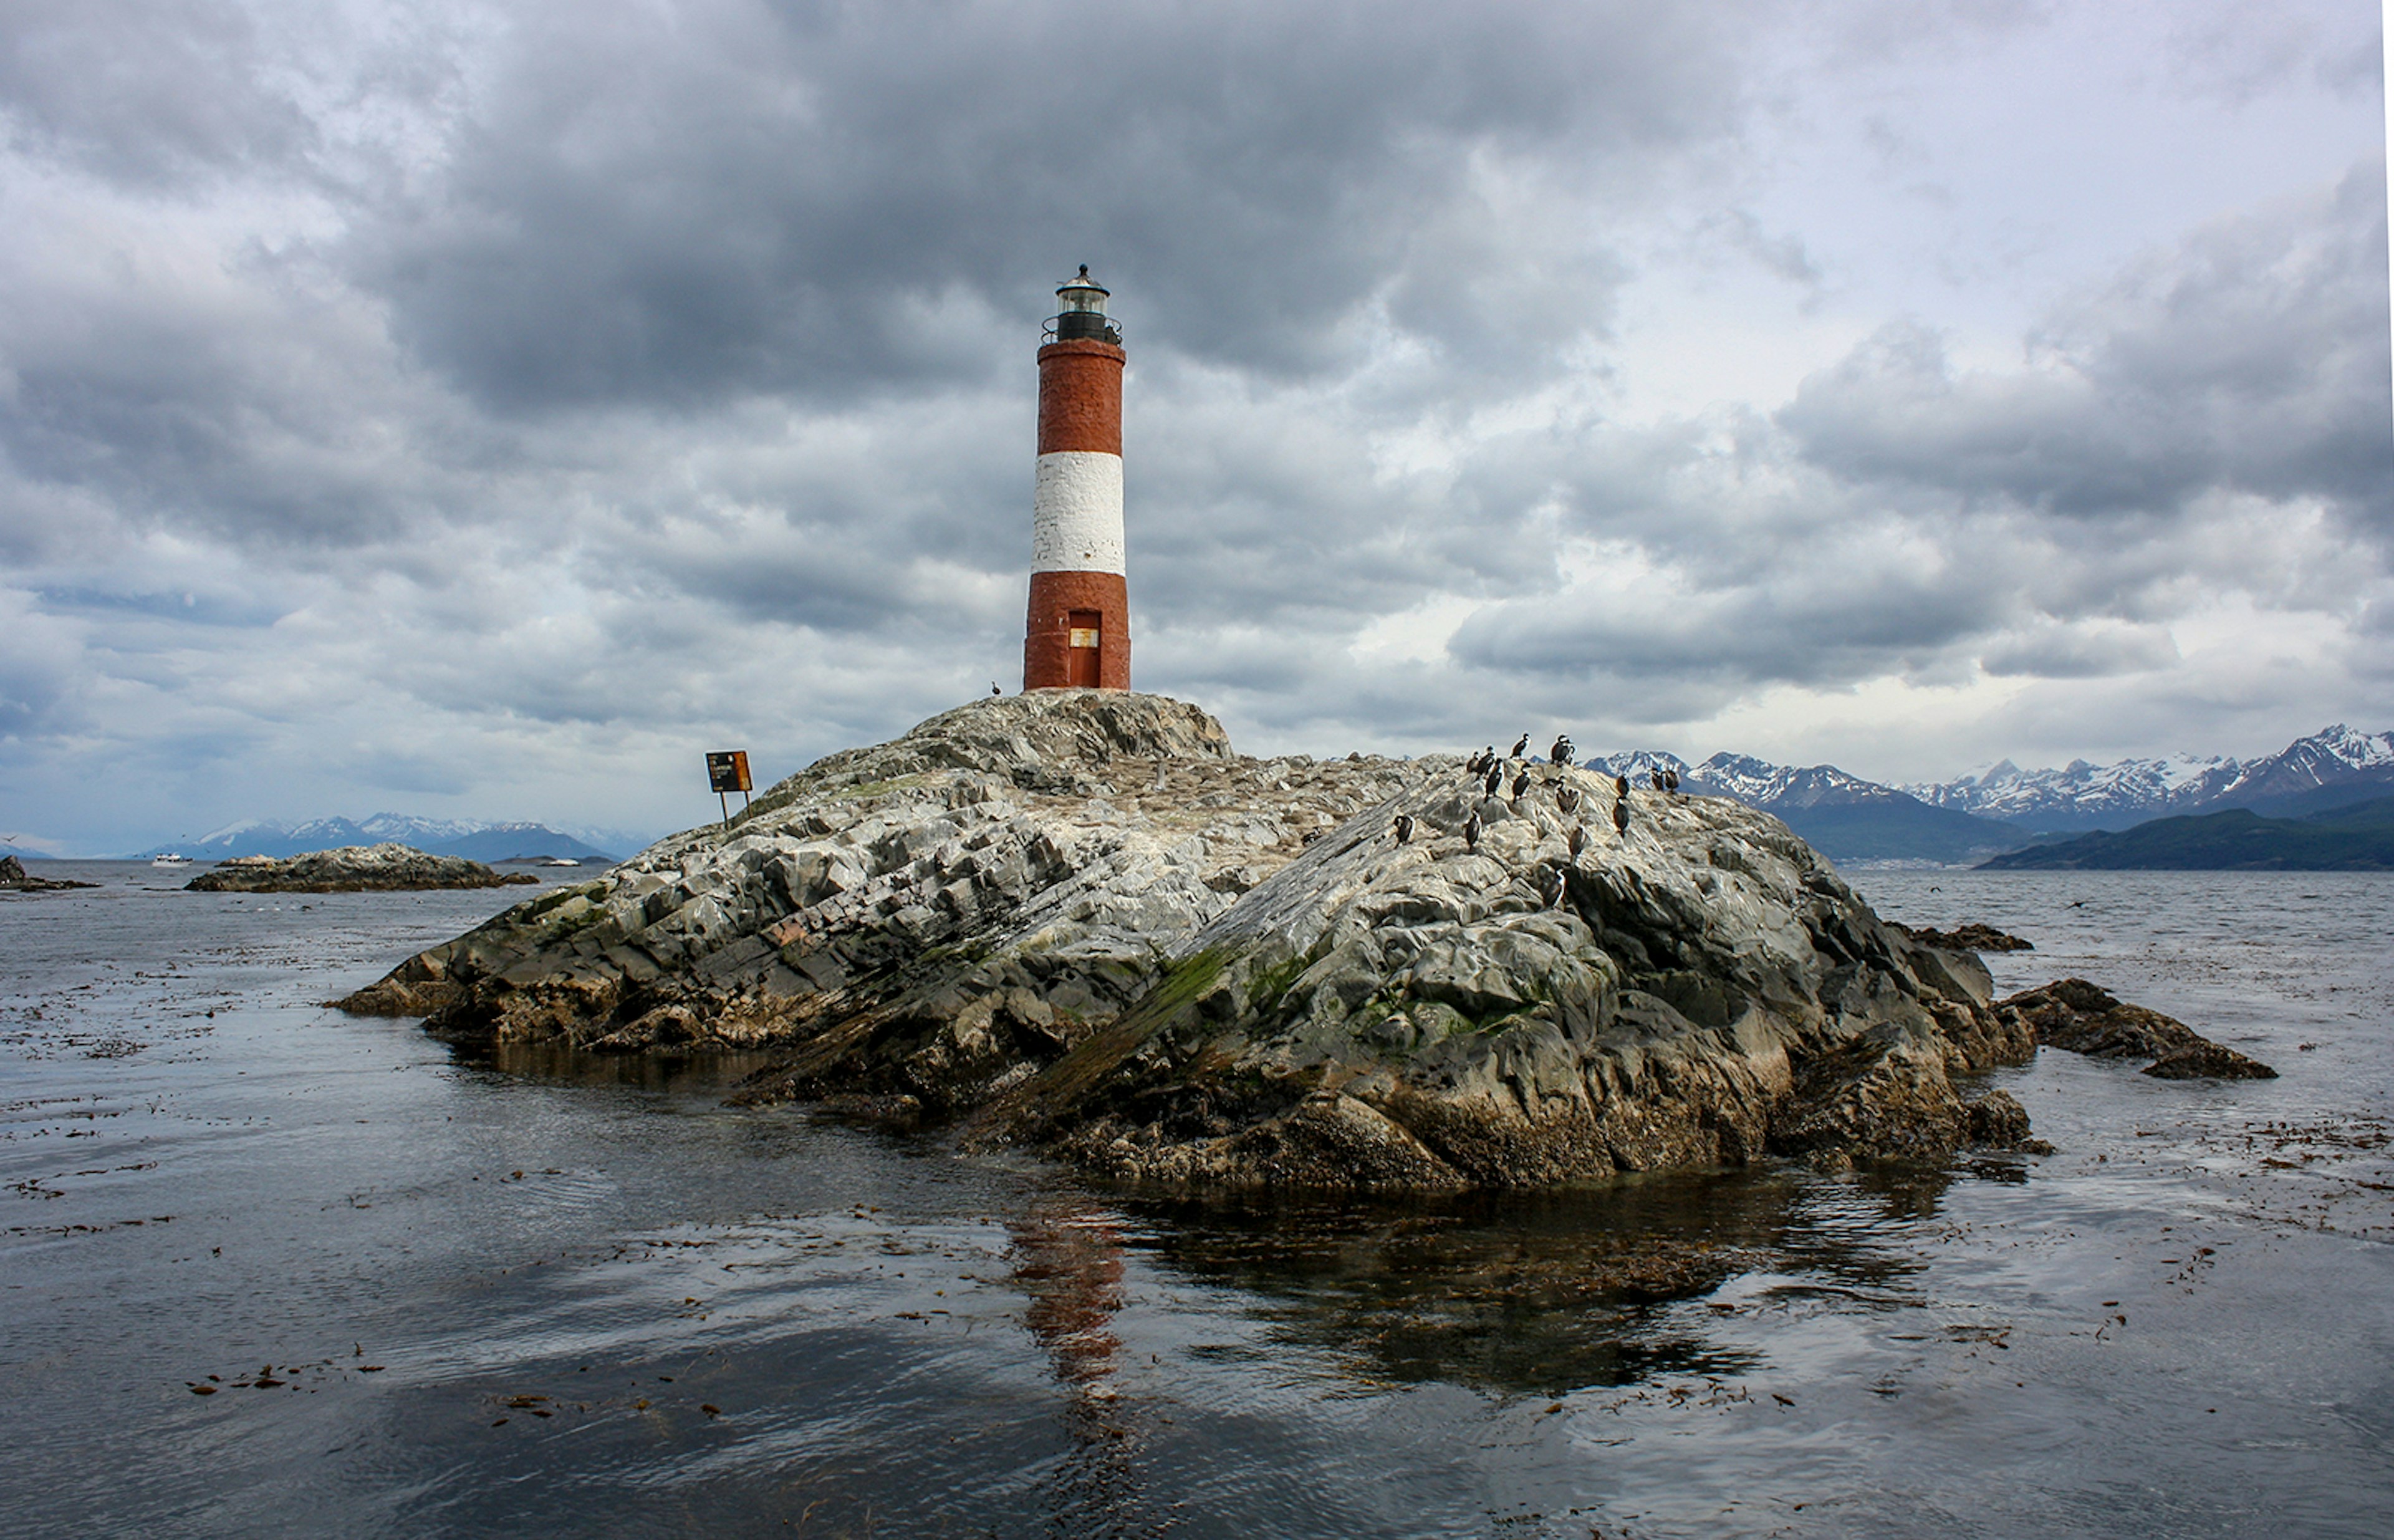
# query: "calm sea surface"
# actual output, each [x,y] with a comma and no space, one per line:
[434,1296]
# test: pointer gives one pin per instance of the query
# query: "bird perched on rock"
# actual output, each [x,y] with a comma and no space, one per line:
[1621,816]
[1656,776]
[1671,781]
[1404,828]
[1550,886]
[1495,779]
[1578,841]
[1521,784]
[1471,830]
[1477,763]
[1568,798]
[1621,786]
[993,689]
[1562,751]
[1522,746]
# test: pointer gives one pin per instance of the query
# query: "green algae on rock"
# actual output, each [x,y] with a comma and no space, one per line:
[1076,921]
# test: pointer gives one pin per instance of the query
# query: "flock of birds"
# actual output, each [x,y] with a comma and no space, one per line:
[1493,771]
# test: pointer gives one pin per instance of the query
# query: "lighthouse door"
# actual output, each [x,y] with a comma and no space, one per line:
[1081,656]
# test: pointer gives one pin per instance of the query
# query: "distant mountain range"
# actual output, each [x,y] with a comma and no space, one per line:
[1969,820]
[2356,838]
[2006,807]
[475,841]
[1843,816]
[2334,766]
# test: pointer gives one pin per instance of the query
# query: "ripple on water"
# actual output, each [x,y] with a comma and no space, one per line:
[526,1292]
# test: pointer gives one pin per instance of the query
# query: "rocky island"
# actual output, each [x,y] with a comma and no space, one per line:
[350,869]
[14,878]
[1076,921]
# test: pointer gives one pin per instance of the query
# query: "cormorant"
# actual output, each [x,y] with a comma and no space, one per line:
[1657,777]
[1495,779]
[1568,798]
[1404,828]
[1550,886]
[1621,816]
[1621,786]
[1562,751]
[993,689]
[1521,784]
[1578,841]
[1521,747]
[1471,830]
[1671,781]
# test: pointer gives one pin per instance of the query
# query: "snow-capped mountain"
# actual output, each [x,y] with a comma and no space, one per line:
[1842,815]
[476,841]
[2333,765]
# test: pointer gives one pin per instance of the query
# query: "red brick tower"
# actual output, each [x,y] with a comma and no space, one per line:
[1079,627]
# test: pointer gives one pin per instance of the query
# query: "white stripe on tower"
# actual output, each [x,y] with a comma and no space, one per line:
[1076,523]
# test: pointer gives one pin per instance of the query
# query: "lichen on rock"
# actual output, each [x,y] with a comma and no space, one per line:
[1078,921]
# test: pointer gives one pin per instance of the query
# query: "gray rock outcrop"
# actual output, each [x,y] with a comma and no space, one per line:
[14,878]
[2083,1018]
[1079,922]
[352,868]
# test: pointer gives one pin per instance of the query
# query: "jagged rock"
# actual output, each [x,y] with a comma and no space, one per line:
[2083,1018]
[1078,921]
[1969,938]
[14,879]
[352,868]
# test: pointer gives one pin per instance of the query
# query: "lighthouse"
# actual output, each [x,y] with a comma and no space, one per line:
[1078,634]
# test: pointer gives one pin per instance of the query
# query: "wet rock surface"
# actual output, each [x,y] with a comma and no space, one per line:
[2083,1018]
[15,880]
[1969,938]
[352,868]
[1079,922]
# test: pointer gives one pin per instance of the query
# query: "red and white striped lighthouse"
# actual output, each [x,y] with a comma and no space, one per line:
[1079,629]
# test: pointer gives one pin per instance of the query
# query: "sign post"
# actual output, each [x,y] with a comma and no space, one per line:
[726,773]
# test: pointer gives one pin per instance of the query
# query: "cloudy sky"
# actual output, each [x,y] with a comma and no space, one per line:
[479,410]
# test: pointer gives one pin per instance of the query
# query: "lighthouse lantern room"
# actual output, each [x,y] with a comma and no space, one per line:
[1078,630]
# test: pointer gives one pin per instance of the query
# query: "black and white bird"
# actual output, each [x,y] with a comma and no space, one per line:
[1671,781]
[1550,886]
[1568,798]
[1471,830]
[1562,751]
[1578,841]
[1522,746]
[1656,776]
[1521,784]
[1621,816]
[1621,786]
[993,689]
[1404,828]
[1477,763]
[1495,779]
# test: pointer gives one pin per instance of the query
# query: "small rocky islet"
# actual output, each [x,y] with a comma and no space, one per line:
[1078,922]
[14,878]
[387,867]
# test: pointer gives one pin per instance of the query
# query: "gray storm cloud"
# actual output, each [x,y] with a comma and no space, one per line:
[486,404]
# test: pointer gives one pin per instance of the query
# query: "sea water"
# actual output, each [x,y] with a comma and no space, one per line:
[268,1269]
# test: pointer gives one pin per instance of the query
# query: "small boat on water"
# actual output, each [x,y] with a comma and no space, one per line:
[170,859]
[561,861]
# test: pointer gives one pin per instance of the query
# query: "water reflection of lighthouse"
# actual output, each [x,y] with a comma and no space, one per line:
[1078,631]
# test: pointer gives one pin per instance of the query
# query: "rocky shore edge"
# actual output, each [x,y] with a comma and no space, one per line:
[1077,922]
[351,869]
[14,878]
